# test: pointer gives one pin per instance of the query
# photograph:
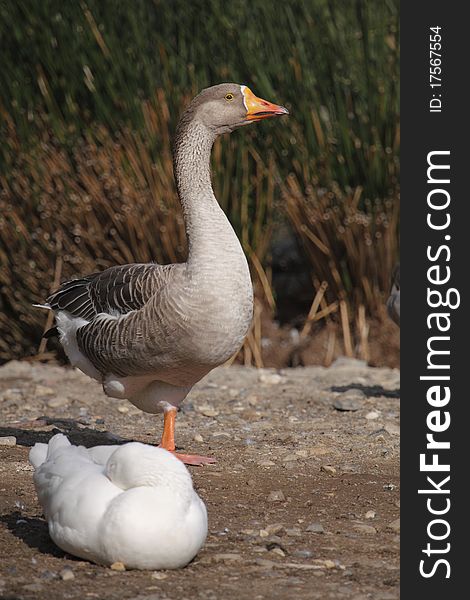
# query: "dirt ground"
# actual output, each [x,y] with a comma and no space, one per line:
[303,502]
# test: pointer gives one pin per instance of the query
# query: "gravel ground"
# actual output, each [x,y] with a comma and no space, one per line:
[303,501]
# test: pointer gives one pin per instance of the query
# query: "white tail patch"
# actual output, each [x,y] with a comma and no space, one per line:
[67,327]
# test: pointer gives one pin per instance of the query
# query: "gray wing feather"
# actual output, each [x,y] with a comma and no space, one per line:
[116,291]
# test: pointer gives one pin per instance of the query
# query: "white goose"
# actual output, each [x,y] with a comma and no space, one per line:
[133,504]
[149,332]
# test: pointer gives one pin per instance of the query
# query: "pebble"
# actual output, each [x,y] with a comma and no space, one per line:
[158,575]
[276,496]
[42,390]
[290,458]
[372,415]
[293,532]
[118,566]
[33,587]
[227,557]
[208,411]
[198,438]
[392,429]
[328,469]
[277,551]
[363,528]
[263,533]
[57,402]
[302,553]
[123,409]
[266,463]
[11,394]
[274,528]
[349,401]
[315,528]
[394,525]
[348,363]
[370,514]
[267,564]
[8,440]
[252,400]
[330,564]
[270,378]
[67,574]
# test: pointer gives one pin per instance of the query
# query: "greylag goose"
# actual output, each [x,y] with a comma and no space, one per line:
[393,302]
[149,332]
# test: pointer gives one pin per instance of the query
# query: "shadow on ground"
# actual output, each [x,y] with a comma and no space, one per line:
[374,391]
[29,433]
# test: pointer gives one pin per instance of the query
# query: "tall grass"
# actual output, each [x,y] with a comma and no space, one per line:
[90,92]
[334,63]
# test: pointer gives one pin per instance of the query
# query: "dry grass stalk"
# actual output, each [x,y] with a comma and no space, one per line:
[330,349]
[363,329]
[352,245]
[348,348]
[313,310]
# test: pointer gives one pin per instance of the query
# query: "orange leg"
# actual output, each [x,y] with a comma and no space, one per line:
[168,441]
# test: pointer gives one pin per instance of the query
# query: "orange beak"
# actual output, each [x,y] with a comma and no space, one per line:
[257,108]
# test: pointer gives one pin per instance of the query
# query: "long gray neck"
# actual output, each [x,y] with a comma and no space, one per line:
[210,235]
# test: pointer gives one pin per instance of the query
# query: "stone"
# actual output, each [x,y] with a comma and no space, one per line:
[370,514]
[392,429]
[42,390]
[227,557]
[372,415]
[33,587]
[8,440]
[208,411]
[123,408]
[198,438]
[270,378]
[290,458]
[118,566]
[303,553]
[266,463]
[276,496]
[343,362]
[11,395]
[363,528]
[66,574]
[394,526]
[57,402]
[293,532]
[328,469]
[274,528]
[263,533]
[349,401]
[315,528]
[277,551]
[158,575]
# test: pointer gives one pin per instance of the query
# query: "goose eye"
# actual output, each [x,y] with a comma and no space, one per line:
[229,97]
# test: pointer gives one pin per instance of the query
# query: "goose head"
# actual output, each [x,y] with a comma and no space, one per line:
[224,107]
